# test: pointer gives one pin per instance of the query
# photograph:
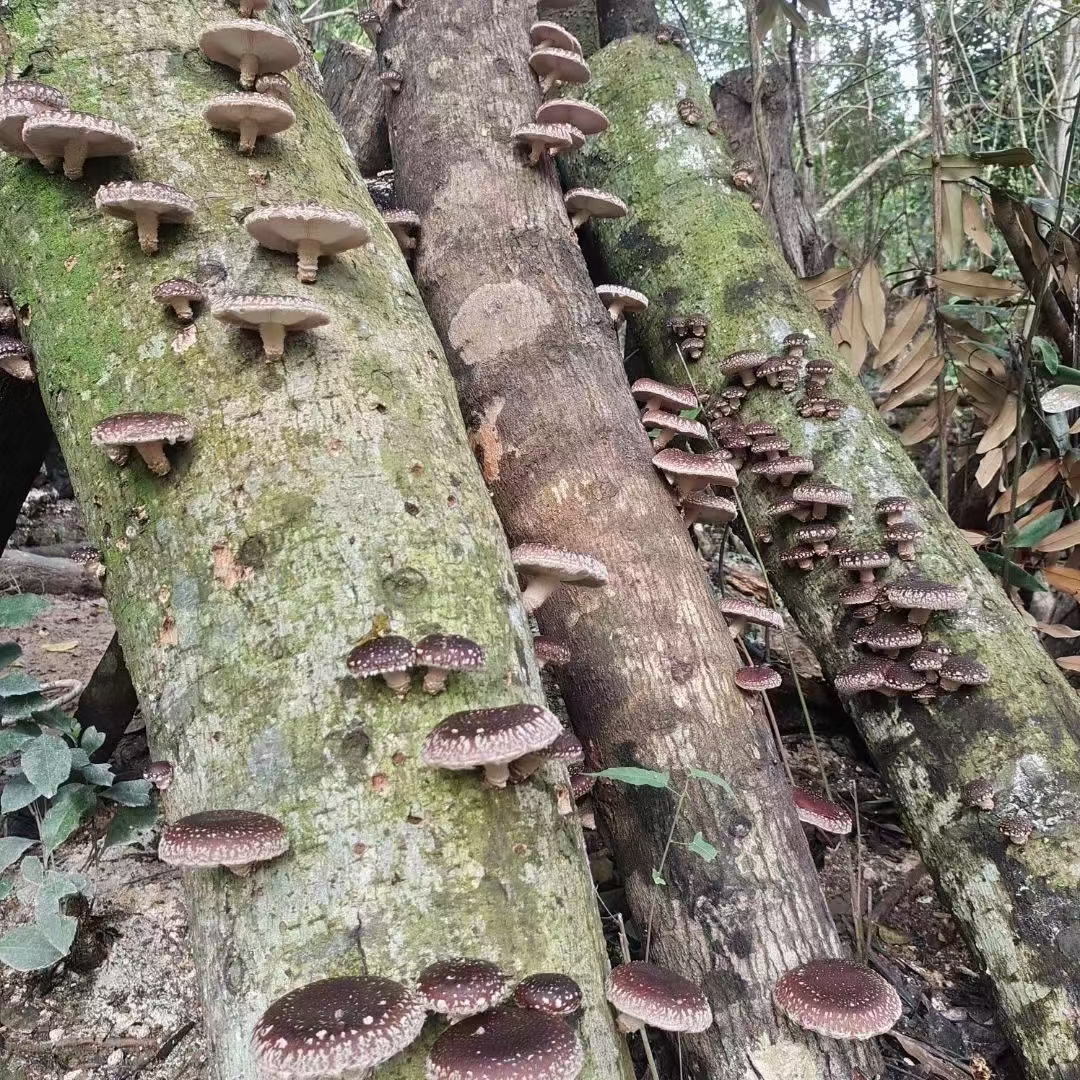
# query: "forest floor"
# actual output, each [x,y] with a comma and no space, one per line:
[136,1015]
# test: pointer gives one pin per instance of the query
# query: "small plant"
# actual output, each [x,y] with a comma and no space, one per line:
[48,773]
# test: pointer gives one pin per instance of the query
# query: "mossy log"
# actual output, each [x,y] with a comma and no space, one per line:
[324,496]
[692,243]
[540,375]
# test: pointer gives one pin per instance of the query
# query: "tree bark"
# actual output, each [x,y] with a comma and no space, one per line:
[578,16]
[540,376]
[778,186]
[692,243]
[24,438]
[621,18]
[324,496]
[355,97]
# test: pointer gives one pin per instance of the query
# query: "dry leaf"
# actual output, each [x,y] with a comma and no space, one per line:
[1033,482]
[926,422]
[977,284]
[61,646]
[963,327]
[1036,513]
[974,229]
[872,303]
[1056,630]
[1066,537]
[980,359]
[1065,579]
[826,285]
[989,467]
[915,386]
[952,220]
[1060,399]
[974,537]
[910,364]
[1003,426]
[849,333]
[1069,663]
[902,330]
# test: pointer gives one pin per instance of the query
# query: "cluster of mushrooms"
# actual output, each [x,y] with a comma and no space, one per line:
[16,357]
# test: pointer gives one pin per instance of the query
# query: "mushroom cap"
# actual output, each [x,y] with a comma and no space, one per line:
[816,491]
[451,652]
[820,367]
[381,656]
[506,1044]
[553,35]
[391,77]
[48,133]
[796,340]
[566,747]
[551,651]
[666,421]
[861,676]
[894,504]
[587,118]
[494,736]
[561,64]
[862,592]
[131,429]
[903,532]
[978,794]
[228,42]
[658,997]
[733,393]
[292,312]
[863,560]
[711,509]
[548,136]
[275,85]
[549,992]
[888,636]
[407,218]
[177,289]
[569,566]
[284,228]
[229,111]
[631,299]
[757,677]
[581,783]
[334,1025]
[461,987]
[816,532]
[838,998]
[222,838]
[712,467]
[772,366]
[84,556]
[19,357]
[674,397]
[781,507]
[39,93]
[759,429]
[821,813]
[743,360]
[964,670]
[18,101]
[598,203]
[127,198]
[900,677]
[769,444]
[750,610]
[783,466]
[927,658]
[917,593]
[735,439]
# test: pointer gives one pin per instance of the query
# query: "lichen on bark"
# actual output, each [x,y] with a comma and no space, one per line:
[323,496]
[692,243]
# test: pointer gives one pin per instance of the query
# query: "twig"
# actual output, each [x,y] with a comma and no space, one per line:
[167,1046]
[772,718]
[73,1042]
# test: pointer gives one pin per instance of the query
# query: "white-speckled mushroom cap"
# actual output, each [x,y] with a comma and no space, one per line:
[551,651]
[920,594]
[381,656]
[26,90]
[674,423]
[709,468]
[658,997]
[139,201]
[493,736]
[253,48]
[264,114]
[17,359]
[628,299]
[568,566]
[838,998]
[668,397]
[559,65]
[814,491]
[506,1044]
[18,102]
[451,652]
[861,676]
[553,35]
[336,1025]
[285,228]
[541,137]
[587,118]
[177,289]
[462,987]
[53,135]
[131,429]
[222,838]
[292,312]
[549,992]
[821,813]
[757,677]
[742,607]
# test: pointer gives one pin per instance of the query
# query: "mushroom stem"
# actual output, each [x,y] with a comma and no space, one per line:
[866,574]
[496,776]
[146,222]
[820,510]
[249,132]
[182,308]
[273,339]
[628,1024]
[579,219]
[615,310]
[920,616]
[547,82]
[50,164]
[747,377]
[249,70]
[118,455]
[663,439]
[435,680]
[18,367]
[524,767]
[247,9]
[537,590]
[242,870]
[736,624]
[906,550]
[948,684]
[535,153]
[587,817]
[307,260]
[153,453]
[75,158]
[399,682]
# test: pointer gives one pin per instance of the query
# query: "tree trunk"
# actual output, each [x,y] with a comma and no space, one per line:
[24,438]
[324,496]
[541,380]
[787,215]
[352,91]
[45,575]
[621,18]
[578,16]
[692,243]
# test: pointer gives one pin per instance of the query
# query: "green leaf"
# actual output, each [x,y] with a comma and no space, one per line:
[1047,354]
[20,708]
[92,740]
[18,792]
[1038,530]
[57,929]
[12,849]
[700,846]
[46,762]
[57,718]
[9,653]
[1016,576]
[131,825]
[65,815]
[1015,157]
[18,683]
[712,778]
[21,610]
[5,888]
[26,948]
[657,879]
[98,774]
[690,414]
[635,777]
[129,793]
[14,738]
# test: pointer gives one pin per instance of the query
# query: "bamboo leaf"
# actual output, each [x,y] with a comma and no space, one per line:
[974,227]
[1015,575]
[634,777]
[1034,533]
[1033,482]
[1003,426]
[901,331]
[1069,663]
[1047,354]
[1059,540]
[974,537]
[910,364]
[977,284]
[1065,579]
[872,303]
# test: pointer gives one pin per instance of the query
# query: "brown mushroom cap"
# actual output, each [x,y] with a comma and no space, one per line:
[863,563]
[862,592]
[978,794]
[758,677]
[817,535]
[249,114]
[920,597]
[390,656]
[771,446]
[903,534]
[544,568]
[460,987]
[928,659]
[739,610]
[743,363]
[692,472]
[274,85]
[19,101]
[252,48]
[900,679]
[71,138]
[957,671]
[179,294]
[649,994]
[336,1027]
[1016,828]
[553,35]
[588,119]
[658,395]
[759,429]
[838,998]
[861,676]
[551,651]
[308,229]
[231,838]
[802,557]
[783,469]
[554,66]
[619,300]
[785,505]
[821,813]
[146,432]
[405,225]
[148,205]
[17,359]
[888,637]
[585,203]
[671,426]
[272,317]
[543,139]
[893,508]
[27,90]
[710,509]
[549,992]
[442,653]
[821,496]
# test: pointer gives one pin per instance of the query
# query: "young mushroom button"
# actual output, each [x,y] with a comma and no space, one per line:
[146,433]
[69,138]
[272,317]
[822,814]
[148,205]
[460,987]
[893,509]
[274,85]
[783,470]
[17,359]
[179,294]
[443,653]
[863,563]
[391,657]
[838,998]
[958,671]
[566,748]
[405,225]
[647,994]
[549,992]
[903,534]
[554,66]
[506,1044]
[336,1027]
[252,48]
[249,115]
[543,569]
[233,839]
[159,773]
[308,229]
